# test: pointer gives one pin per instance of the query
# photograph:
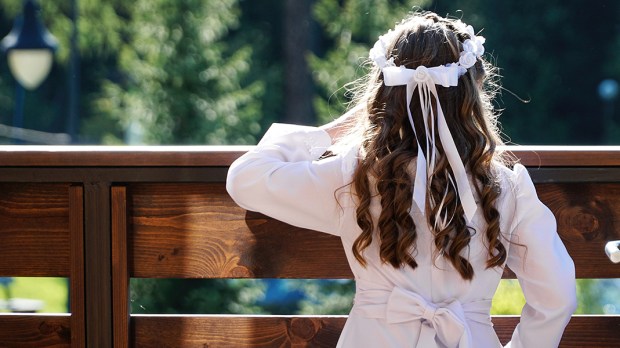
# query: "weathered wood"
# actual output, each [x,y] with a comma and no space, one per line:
[192,231]
[97,265]
[34,230]
[136,156]
[35,330]
[318,331]
[120,274]
[76,281]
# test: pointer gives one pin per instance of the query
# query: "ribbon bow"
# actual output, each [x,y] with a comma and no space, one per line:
[447,323]
[425,79]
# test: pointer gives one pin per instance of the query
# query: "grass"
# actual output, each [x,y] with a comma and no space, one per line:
[54,292]
[508,299]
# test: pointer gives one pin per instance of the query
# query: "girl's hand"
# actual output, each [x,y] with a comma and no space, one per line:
[340,126]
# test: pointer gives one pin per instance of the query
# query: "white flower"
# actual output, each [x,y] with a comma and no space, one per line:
[467,59]
[475,44]
[421,74]
[379,52]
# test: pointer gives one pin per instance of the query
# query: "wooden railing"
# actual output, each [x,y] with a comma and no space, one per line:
[100,216]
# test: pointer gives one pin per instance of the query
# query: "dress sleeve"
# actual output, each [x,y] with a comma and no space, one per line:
[545,270]
[283,178]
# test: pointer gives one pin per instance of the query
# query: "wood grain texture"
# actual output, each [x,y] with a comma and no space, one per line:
[34,330]
[196,231]
[97,265]
[34,230]
[588,216]
[134,156]
[120,275]
[315,331]
[76,292]
[235,331]
[119,156]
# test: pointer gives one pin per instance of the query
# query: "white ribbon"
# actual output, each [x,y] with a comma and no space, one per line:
[425,79]
[445,322]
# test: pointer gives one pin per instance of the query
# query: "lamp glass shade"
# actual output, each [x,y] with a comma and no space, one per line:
[30,66]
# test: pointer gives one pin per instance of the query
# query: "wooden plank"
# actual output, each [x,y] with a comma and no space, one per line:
[120,275]
[35,330]
[192,231]
[110,174]
[567,156]
[132,156]
[119,156]
[197,231]
[76,291]
[588,216]
[97,265]
[319,331]
[34,230]
[235,331]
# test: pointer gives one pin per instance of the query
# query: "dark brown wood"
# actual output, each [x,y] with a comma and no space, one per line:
[183,224]
[120,275]
[119,156]
[35,330]
[113,174]
[136,156]
[97,265]
[317,331]
[197,231]
[588,216]
[567,156]
[189,230]
[76,291]
[235,331]
[34,230]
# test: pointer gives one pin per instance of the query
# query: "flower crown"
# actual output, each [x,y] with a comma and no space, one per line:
[472,49]
[424,79]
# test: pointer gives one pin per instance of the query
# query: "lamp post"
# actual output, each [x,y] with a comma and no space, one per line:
[30,51]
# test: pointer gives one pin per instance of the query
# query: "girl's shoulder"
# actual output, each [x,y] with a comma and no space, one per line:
[515,186]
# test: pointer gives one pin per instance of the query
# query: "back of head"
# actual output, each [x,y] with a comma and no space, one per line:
[391,140]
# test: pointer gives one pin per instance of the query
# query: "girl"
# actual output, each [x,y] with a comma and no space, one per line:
[427,212]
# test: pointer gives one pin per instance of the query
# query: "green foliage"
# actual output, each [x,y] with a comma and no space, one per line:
[330,297]
[195,296]
[54,292]
[351,26]
[553,54]
[183,85]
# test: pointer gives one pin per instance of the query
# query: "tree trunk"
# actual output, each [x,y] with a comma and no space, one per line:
[297,79]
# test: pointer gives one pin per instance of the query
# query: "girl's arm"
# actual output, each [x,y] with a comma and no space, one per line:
[283,178]
[544,269]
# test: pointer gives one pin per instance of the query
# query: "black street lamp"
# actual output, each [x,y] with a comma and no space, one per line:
[30,51]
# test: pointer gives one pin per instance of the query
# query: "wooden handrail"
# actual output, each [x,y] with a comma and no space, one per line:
[199,156]
[101,215]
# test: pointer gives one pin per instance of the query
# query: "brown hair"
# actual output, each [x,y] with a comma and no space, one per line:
[389,147]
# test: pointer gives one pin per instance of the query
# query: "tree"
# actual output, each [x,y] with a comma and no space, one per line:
[351,28]
[544,50]
[183,84]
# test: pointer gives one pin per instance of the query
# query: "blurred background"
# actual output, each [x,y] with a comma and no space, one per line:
[221,71]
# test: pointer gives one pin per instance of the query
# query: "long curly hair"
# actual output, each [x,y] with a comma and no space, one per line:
[389,147]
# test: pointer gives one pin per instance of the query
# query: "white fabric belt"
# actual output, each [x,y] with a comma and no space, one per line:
[447,321]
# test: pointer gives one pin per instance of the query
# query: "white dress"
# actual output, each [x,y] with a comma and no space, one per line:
[431,306]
